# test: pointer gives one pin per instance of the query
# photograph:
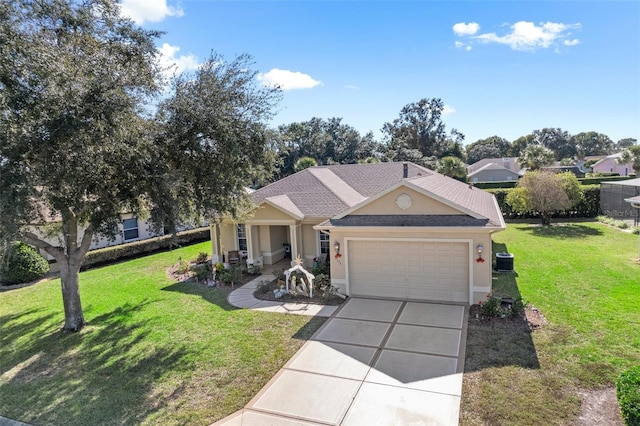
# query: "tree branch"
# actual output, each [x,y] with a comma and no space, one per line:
[86,240]
[33,239]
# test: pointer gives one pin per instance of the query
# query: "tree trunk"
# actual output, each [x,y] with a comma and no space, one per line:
[546,219]
[70,260]
[69,275]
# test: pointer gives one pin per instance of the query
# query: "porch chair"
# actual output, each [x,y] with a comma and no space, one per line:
[234,258]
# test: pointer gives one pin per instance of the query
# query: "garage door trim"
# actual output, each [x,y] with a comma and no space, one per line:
[468,241]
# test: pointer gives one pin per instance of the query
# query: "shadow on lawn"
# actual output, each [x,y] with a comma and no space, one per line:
[500,342]
[561,231]
[217,296]
[103,374]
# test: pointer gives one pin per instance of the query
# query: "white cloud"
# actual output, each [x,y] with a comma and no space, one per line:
[571,42]
[171,63]
[351,87]
[448,109]
[463,29]
[526,35]
[141,11]
[287,80]
[461,45]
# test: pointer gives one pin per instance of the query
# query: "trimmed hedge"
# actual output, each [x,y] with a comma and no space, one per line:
[583,181]
[21,263]
[496,184]
[137,248]
[628,393]
[589,206]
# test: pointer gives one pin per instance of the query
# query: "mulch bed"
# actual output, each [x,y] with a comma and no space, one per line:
[317,298]
[531,319]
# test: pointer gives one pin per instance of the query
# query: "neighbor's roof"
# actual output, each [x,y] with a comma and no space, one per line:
[491,166]
[327,191]
[635,201]
[628,182]
[511,163]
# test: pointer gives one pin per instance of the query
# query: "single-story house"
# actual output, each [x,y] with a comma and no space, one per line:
[390,230]
[610,164]
[510,163]
[492,172]
[557,168]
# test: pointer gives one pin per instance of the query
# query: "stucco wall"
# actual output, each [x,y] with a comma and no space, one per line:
[268,213]
[609,165]
[309,248]
[420,204]
[480,272]
[277,236]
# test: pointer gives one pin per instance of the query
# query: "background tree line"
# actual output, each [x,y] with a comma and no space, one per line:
[419,135]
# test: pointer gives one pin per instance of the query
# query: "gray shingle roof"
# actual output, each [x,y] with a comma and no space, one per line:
[327,191]
[407,220]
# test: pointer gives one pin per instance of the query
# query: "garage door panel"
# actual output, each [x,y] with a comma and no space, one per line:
[422,270]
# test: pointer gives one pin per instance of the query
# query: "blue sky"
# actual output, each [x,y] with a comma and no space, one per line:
[501,68]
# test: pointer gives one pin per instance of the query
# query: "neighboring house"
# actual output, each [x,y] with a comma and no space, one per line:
[130,229]
[392,230]
[610,164]
[562,169]
[492,172]
[510,163]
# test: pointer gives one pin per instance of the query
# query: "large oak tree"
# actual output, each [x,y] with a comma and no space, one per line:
[77,148]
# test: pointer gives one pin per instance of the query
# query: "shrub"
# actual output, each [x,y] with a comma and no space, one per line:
[491,307]
[202,257]
[588,206]
[200,271]
[183,266]
[320,267]
[628,393]
[264,286]
[137,248]
[21,263]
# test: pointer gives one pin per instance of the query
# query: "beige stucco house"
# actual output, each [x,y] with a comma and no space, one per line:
[390,230]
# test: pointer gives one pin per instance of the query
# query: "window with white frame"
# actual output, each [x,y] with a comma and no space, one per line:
[242,237]
[130,228]
[325,243]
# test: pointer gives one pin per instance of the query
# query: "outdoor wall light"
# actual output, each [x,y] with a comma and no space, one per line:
[336,247]
[480,247]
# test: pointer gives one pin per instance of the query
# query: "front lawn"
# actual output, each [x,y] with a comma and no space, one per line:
[154,351]
[584,279]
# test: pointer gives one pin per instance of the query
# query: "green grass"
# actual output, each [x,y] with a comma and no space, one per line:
[153,352]
[583,277]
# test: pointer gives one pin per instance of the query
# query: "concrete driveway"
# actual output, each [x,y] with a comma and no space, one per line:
[375,362]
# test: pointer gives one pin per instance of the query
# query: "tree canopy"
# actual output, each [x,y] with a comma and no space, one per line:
[545,193]
[491,147]
[77,149]
[326,141]
[593,143]
[535,156]
[419,129]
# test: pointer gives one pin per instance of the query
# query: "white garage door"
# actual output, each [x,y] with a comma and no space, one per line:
[423,270]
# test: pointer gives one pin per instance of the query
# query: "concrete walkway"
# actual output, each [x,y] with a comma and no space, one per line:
[374,362]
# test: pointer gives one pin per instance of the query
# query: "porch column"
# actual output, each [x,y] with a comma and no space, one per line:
[293,236]
[216,256]
[247,230]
